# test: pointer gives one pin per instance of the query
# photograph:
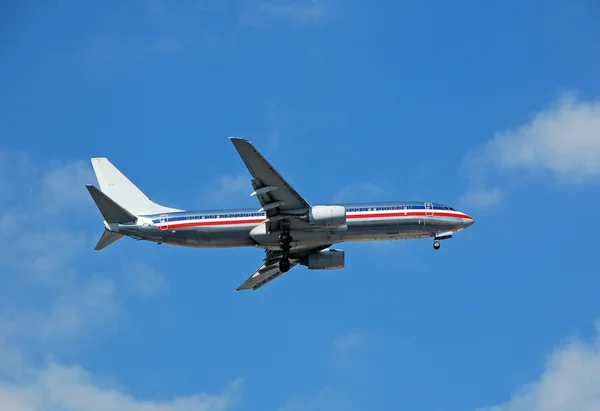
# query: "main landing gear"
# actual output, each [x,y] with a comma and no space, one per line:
[285,239]
[436,245]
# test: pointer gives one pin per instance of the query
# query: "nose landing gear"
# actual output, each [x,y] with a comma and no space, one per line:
[285,239]
[441,236]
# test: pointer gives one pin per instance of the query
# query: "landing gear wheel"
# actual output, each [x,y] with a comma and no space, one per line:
[285,239]
[284,265]
[436,245]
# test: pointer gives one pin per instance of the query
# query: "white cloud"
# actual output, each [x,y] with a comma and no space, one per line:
[167,28]
[60,388]
[86,304]
[482,197]
[63,186]
[563,140]
[16,173]
[275,118]
[345,344]
[230,188]
[335,396]
[45,296]
[570,381]
[49,299]
[44,254]
[358,192]
[146,281]
[170,28]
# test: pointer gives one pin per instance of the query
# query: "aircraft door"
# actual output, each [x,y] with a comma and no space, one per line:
[164,222]
[428,209]
[427,225]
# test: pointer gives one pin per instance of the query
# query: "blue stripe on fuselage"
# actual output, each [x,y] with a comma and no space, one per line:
[249,213]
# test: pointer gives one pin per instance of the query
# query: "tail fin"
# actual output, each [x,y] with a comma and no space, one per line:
[121,190]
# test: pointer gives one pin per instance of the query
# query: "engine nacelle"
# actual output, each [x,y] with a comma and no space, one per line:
[326,216]
[329,259]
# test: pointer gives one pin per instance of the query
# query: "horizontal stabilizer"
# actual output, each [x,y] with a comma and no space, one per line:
[111,211]
[108,237]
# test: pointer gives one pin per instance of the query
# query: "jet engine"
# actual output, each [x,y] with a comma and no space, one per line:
[328,259]
[326,216]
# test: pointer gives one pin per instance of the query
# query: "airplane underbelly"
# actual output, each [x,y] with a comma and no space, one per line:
[226,237]
[204,237]
[380,229]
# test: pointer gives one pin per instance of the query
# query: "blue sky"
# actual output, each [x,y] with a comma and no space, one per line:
[491,108]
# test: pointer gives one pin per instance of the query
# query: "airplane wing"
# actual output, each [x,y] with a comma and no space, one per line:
[273,192]
[266,273]
[269,270]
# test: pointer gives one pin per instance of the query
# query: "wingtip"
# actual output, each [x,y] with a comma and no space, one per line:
[234,139]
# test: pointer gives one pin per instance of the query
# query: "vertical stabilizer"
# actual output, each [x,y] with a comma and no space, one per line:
[119,188]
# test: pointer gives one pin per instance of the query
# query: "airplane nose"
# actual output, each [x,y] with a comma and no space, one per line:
[468,222]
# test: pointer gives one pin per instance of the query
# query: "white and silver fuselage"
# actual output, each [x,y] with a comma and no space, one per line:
[241,227]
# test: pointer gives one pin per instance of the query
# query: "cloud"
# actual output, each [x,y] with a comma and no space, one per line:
[51,298]
[57,387]
[229,188]
[358,192]
[275,117]
[562,140]
[43,254]
[346,344]
[164,29]
[87,303]
[570,381]
[63,187]
[40,256]
[482,197]
[337,395]
[145,280]
[16,168]
[170,28]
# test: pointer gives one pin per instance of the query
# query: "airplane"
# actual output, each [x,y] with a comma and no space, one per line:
[290,230]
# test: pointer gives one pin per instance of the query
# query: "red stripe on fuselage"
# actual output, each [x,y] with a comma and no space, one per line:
[408,214]
[211,223]
[349,216]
